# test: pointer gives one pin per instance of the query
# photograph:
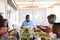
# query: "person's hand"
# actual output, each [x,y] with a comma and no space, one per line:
[48,30]
[2,30]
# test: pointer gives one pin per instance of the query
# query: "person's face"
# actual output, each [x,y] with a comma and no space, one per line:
[51,21]
[27,18]
[5,23]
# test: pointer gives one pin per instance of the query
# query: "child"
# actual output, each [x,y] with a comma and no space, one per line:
[5,27]
[56,30]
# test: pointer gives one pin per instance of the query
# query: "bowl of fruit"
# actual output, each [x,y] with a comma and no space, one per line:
[25,33]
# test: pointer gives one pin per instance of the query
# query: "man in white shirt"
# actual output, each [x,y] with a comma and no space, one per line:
[51,20]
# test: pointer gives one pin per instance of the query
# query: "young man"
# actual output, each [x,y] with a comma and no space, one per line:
[51,20]
[28,23]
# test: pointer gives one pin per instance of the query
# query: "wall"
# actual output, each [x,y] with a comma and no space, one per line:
[39,16]
[55,10]
[2,7]
[11,16]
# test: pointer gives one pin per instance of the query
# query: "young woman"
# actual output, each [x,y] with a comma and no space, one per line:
[3,30]
[5,27]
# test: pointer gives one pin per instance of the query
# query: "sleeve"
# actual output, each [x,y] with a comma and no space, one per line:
[22,25]
[33,25]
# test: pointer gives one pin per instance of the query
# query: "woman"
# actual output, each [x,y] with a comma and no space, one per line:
[5,27]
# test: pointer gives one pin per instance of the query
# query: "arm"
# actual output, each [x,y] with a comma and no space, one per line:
[11,30]
[47,30]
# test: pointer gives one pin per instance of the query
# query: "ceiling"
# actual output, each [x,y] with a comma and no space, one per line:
[35,3]
[35,0]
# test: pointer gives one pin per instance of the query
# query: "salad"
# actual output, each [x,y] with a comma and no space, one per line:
[25,33]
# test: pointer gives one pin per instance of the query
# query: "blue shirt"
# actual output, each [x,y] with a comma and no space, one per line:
[29,24]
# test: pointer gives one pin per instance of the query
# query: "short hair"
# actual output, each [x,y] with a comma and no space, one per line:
[55,27]
[52,16]
[27,16]
[1,21]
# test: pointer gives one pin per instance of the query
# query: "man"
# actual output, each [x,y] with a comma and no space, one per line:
[51,20]
[28,23]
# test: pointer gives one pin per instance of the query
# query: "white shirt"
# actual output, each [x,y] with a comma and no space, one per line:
[52,35]
[50,26]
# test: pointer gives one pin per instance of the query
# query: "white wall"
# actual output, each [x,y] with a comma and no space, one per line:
[55,10]
[2,7]
[11,16]
[39,16]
